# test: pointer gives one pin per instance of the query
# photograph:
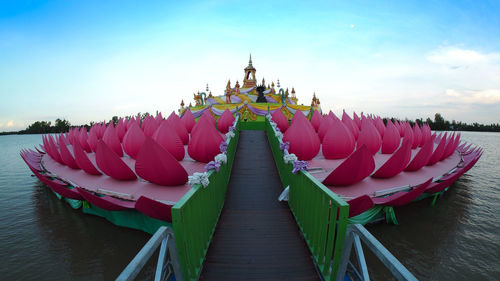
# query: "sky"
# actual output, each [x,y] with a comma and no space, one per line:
[90,60]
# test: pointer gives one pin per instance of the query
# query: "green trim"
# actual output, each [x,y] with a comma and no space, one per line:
[75,204]
[320,213]
[436,195]
[195,215]
[367,216]
[253,125]
[127,218]
[390,215]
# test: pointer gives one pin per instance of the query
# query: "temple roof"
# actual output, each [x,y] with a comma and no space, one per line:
[250,66]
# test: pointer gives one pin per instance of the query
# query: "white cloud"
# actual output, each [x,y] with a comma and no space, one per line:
[10,124]
[457,57]
[489,96]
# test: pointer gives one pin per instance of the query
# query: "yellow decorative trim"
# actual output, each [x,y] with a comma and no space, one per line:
[287,113]
[247,114]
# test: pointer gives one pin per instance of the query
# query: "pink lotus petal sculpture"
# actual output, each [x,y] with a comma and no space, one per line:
[188,120]
[280,119]
[93,139]
[167,137]
[82,138]
[155,164]
[338,142]
[176,123]
[396,163]
[83,161]
[111,139]
[316,120]
[111,164]
[417,136]
[354,169]
[205,142]
[66,156]
[121,129]
[356,120]
[422,157]
[379,124]
[304,142]
[350,124]
[438,152]
[54,150]
[225,121]
[391,139]
[369,136]
[149,126]
[133,140]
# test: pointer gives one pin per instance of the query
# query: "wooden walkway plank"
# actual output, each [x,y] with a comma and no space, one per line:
[256,237]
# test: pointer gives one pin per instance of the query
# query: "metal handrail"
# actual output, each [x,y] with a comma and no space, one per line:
[353,235]
[164,239]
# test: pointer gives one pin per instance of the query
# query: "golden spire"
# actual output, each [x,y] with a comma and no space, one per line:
[237,84]
[263,82]
[182,103]
[272,84]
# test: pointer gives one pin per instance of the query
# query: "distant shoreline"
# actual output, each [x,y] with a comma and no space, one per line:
[438,124]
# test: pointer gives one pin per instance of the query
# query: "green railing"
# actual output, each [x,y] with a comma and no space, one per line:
[320,213]
[253,125]
[195,216]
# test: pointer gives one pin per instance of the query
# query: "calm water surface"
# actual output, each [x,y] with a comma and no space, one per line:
[459,237]
[43,238]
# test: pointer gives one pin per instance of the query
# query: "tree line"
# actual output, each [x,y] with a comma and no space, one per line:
[63,125]
[438,124]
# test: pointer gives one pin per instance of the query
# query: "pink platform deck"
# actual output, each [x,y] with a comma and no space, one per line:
[129,190]
[320,168]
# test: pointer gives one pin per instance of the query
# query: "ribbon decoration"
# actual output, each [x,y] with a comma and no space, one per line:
[223,146]
[230,134]
[290,158]
[221,158]
[300,165]
[199,178]
[212,165]
[285,145]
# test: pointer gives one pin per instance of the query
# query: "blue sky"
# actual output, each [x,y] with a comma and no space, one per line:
[89,60]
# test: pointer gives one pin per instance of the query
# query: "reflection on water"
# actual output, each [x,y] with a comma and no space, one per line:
[458,238]
[43,238]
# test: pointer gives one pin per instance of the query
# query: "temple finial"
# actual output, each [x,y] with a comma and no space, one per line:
[250,61]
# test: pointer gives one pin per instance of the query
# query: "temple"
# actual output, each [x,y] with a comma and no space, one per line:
[251,100]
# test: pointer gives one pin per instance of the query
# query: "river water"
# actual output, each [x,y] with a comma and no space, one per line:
[43,238]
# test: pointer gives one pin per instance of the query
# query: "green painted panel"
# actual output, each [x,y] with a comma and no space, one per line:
[320,213]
